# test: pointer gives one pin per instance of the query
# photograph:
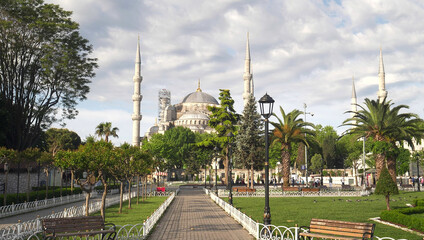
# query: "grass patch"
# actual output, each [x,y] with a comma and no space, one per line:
[299,210]
[137,213]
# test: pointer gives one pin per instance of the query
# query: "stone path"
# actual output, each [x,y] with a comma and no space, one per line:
[193,215]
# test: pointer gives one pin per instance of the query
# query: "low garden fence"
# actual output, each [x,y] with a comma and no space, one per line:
[280,193]
[31,229]
[15,209]
[259,230]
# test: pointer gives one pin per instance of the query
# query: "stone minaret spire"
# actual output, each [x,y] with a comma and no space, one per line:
[382,93]
[136,116]
[247,76]
[353,100]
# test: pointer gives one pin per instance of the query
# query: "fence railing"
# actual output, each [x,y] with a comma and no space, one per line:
[261,231]
[280,193]
[131,231]
[15,209]
[25,229]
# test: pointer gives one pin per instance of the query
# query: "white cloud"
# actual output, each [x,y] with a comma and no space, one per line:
[302,51]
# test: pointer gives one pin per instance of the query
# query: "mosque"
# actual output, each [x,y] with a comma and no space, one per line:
[192,112]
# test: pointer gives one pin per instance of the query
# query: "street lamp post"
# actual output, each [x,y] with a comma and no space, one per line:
[230,135]
[418,172]
[306,148]
[266,104]
[363,164]
[216,171]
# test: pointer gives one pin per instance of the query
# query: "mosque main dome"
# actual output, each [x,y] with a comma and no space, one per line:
[199,97]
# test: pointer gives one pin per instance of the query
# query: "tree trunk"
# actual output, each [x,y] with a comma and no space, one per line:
[121,196]
[145,188]
[252,177]
[28,185]
[87,202]
[47,183]
[380,159]
[103,206]
[138,188]
[61,182]
[129,194]
[391,166]
[285,159]
[72,181]
[226,168]
[388,201]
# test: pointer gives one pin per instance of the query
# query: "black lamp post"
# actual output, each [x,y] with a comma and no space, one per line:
[266,103]
[216,171]
[230,177]
[418,172]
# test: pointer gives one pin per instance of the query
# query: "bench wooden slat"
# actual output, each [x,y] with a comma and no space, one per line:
[342,229]
[333,229]
[75,226]
[314,235]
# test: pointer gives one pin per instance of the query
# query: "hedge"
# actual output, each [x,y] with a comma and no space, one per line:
[11,198]
[419,202]
[405,216]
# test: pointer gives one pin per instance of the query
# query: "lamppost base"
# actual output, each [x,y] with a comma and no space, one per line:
[267,217]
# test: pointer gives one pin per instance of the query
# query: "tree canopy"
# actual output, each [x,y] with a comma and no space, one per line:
[45,68]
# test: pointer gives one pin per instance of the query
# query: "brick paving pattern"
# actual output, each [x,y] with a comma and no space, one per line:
[193,215]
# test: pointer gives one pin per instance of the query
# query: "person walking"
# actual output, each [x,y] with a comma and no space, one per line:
[330,181]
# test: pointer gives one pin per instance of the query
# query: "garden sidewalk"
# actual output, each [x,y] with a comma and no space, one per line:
[193,215]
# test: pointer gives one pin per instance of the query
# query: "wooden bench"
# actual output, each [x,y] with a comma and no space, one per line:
[244,189]
[290,189]
[310,189]
[332,229]
[77,226]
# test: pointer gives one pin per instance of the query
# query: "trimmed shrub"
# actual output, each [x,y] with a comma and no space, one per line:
[419,202]
[405,216]
[12,198]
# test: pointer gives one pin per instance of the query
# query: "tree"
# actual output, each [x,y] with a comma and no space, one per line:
[402,161]
[382,122]
[386,186]
[349,150]
[326,137]
[44,67]
[61,139]
[317,163]
[287,130]
[223,119]
[249,140]
[106,129]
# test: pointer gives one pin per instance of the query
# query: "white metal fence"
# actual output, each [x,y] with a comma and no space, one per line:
[129,231]
[25,229]
[280,193]
[20,208]
[261,231]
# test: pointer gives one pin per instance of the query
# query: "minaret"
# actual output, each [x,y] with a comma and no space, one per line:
[353,100]
[247,76]
[136,116]
[382,93]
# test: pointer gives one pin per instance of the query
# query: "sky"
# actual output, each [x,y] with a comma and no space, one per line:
[303,51]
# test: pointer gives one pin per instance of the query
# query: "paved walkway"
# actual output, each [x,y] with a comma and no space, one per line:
[193,215]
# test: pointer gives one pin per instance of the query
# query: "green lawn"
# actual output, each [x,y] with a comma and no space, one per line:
[291,210]
[137,213]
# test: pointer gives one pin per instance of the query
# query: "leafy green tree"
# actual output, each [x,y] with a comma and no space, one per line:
[402,161]
[317,163]
[223,119]
[61,139]
[349,150]
[45,68]
[106,129]
[386,186]
[385,125]
[287,130]
[250,140]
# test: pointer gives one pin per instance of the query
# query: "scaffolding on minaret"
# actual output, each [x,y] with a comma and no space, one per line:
[164,100]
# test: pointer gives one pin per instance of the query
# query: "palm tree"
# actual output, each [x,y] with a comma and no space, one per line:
[383,123]
[289,129]
[105,129]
